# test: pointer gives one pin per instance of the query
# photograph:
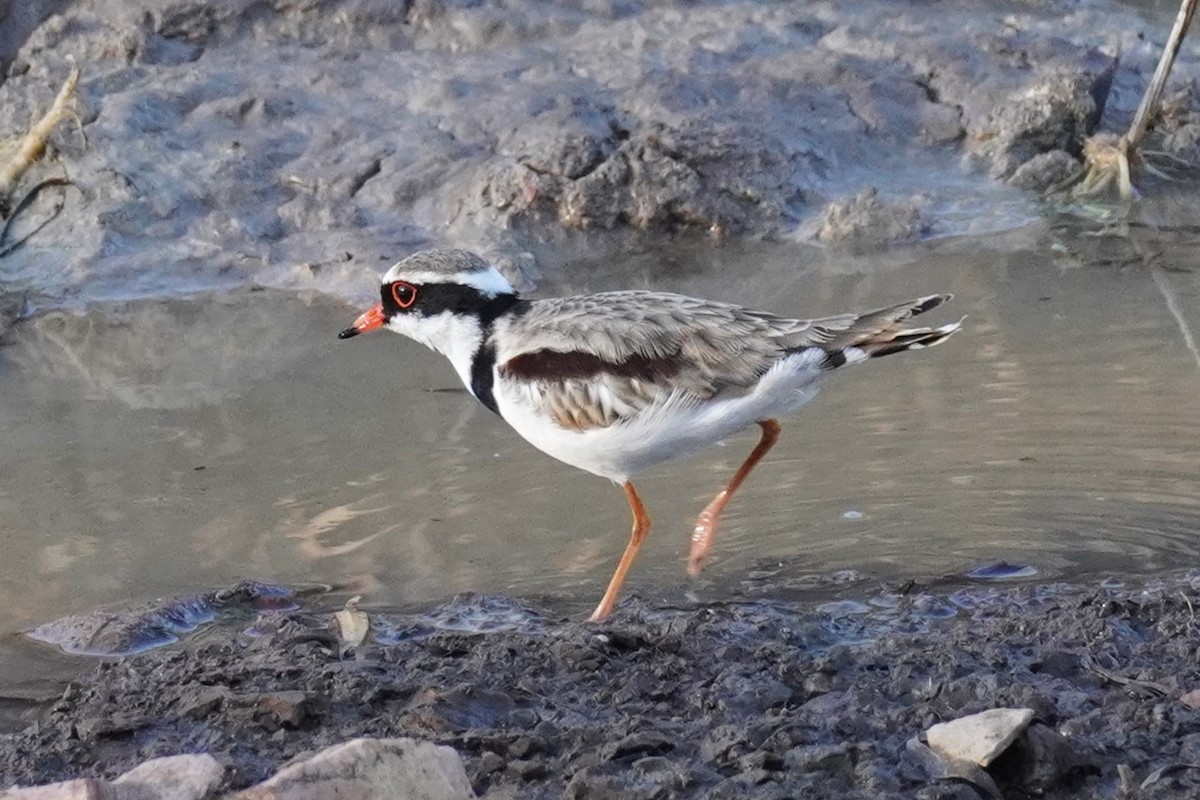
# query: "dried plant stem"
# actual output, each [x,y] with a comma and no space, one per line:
[1108,156]
[7,247]
[1141,120]
[33,144]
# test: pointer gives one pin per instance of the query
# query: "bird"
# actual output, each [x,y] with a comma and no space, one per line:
[616,382]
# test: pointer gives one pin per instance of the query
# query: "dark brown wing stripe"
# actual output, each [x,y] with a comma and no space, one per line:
[552,365]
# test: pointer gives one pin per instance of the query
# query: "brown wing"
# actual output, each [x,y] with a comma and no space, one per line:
[594,360]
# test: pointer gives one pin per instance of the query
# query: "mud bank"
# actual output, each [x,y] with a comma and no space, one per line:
[759,698]
[296,144]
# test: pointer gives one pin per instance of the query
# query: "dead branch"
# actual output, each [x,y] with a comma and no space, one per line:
[33,144]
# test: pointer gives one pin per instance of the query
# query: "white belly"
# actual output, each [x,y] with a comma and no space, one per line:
[664,430]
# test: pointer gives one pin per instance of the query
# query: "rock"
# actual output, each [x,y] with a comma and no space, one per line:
[366,769]
[592,783]
[1038,761]
[1184,143]
[527,769]
[979,738]
[1191,699]
[719,175]
[940,768]
[1056,114]
[11,306]
[1058,664]
[186,777]
[83,789]
[819,757]
[1045,171]
[865,220]
[663,772]
[490,762]
[92,727]
[287,709]
[17,19]
[1055,108]
[201,701]
[638,744]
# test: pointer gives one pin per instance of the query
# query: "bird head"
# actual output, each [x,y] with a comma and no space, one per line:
[430,293]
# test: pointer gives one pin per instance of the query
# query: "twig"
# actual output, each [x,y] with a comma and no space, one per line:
[21,205]
[1161,772]
[1141,120]
[33,144]
[1158,688]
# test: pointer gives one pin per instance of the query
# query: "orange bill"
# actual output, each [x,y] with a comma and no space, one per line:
[369,320]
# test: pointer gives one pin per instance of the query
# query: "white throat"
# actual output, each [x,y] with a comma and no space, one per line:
[456,336]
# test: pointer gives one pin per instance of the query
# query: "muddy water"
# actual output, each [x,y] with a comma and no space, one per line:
[164,446]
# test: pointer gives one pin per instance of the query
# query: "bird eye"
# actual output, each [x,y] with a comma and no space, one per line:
[405,294]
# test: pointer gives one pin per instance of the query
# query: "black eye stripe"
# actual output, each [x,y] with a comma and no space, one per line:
[436,298]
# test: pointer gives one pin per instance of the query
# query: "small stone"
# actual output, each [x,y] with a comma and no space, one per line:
[365,768]
[639,744]
[288,709]
[490,762]
[203,701]
[979,738]
[814,757]
[1191,699]
[1045,171]
[1058,664]
[661,771]
[527,769]
[520,747]
[186,777]
[1184,143]
[108,725]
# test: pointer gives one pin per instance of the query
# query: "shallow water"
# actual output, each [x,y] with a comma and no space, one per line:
[172,445]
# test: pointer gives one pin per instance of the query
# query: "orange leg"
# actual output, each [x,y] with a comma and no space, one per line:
[706,524]
[641,526]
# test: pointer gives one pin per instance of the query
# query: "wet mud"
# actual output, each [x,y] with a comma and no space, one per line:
[822,694]
[296,144]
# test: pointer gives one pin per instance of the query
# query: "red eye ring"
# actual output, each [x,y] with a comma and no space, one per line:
[405,294]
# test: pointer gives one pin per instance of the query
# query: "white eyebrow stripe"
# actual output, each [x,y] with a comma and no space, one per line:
[490,282]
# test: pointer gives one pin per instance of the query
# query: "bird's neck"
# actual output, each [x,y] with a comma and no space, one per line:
[465,338]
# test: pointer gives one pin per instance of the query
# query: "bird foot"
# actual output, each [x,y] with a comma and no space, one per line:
[702,539]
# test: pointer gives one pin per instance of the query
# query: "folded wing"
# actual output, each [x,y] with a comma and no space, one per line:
[596,360]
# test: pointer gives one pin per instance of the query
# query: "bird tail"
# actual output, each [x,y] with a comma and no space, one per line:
[881,333]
